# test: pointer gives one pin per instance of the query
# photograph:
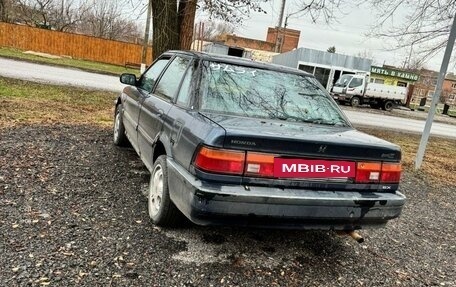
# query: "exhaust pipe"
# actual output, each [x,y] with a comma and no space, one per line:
[353,234]
[356,236]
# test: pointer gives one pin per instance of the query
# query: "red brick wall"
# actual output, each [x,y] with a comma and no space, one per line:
[448,91]
[291,38]
[233,40]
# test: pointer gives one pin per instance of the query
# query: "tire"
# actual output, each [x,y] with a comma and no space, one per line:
[355,101]
[162,210]
[388,106]
[119,136]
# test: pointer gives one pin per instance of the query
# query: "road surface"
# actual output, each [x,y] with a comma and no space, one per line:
[57,75]
[398,123]
[67,76]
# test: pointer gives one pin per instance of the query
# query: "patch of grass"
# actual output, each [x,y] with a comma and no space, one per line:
[66,62]
[23,102]
[451,111]
[439,163]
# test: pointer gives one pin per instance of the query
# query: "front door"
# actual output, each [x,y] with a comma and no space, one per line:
[136,96]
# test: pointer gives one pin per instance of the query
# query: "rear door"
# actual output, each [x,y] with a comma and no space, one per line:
[182,139]
[155,107]
[136,96]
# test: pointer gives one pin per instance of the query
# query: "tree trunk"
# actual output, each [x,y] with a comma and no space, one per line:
[3,17]
[165,30]
[186,21]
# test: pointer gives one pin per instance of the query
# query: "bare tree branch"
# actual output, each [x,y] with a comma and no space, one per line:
[423,24]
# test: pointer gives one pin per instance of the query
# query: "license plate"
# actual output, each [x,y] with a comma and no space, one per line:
[304,168]
[335,97]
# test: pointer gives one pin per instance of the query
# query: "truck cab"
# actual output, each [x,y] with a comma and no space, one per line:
[349,88]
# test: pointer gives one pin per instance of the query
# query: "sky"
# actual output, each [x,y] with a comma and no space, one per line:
[348,35]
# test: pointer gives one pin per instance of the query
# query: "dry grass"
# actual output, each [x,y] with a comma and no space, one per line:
[440,159]
[23,102]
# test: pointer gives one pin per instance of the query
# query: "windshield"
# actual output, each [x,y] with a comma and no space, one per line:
[252,92]
[343,81]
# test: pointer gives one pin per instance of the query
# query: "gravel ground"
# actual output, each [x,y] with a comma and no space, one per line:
[72,212]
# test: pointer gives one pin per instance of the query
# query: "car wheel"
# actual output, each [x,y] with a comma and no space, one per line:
[388,106]
[120,138]
[162,210]
[355,101]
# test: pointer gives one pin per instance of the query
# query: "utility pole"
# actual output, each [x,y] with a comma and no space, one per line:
[279,26]
[436,97]
[146,37]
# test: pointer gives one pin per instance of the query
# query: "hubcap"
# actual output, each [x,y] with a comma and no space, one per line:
[155,191]
[117,126]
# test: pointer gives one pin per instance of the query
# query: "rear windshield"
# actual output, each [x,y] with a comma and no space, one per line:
[252,92]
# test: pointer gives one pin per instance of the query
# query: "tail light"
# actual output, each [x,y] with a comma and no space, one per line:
[376,172]
[391,172]
[220,160]
[234,162]
[368,172]
[259,164]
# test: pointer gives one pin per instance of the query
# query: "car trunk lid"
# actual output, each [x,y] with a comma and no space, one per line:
[303,140]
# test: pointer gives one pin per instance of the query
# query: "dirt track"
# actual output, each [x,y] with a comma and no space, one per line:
[72,213]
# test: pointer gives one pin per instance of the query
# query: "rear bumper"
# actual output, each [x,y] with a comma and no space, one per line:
[215,204]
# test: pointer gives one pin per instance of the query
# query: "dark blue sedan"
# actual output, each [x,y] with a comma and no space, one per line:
[233,141]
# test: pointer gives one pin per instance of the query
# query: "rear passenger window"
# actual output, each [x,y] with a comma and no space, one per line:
[150,76]
[169,83]
[184,92]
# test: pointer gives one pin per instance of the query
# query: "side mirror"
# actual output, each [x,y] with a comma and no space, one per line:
[128,79]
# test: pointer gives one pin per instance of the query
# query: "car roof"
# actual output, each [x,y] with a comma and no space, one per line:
[238,61]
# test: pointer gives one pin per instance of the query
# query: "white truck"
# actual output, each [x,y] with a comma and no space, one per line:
[356,90]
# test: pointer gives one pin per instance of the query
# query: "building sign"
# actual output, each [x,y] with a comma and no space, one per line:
[394,73]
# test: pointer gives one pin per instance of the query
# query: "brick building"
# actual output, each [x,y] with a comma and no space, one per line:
[449,90]
[236,41]
[287,39]
[425,86]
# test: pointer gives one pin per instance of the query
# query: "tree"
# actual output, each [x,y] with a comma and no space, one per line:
[50,14]
[367,54]
[214,29]
[173,22]
[327,10]
[165,24]
[331,49]
[7,10]
[425,29]
[423,25]
[186,20]
[103,19]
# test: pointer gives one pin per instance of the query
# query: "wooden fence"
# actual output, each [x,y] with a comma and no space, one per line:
[69,44]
